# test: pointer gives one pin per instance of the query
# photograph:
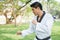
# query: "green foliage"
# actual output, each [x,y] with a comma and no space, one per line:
[53,7]
[24,1]
[1,5]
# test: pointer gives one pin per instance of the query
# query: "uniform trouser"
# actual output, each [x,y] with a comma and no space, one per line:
[48,38]
[36,39]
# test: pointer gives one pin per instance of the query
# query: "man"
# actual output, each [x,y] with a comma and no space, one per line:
[41,24]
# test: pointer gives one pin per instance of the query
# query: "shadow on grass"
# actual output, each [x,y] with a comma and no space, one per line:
[56,37]
[2,37]
[8,32]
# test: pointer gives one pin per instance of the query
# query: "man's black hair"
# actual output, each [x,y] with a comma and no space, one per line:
[36,4]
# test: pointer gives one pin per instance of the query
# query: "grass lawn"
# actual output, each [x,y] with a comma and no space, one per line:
[8,32]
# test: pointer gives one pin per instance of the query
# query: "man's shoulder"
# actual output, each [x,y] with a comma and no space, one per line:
[48,14]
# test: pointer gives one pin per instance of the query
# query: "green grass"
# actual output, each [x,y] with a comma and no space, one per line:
[56,31]
[8,32]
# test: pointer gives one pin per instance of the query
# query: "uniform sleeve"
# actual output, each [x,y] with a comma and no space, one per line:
[45,27]
[28,31]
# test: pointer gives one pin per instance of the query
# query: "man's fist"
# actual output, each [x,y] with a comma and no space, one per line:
[34,22]
[19,33]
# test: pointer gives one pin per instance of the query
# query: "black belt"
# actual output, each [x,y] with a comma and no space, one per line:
[43,39]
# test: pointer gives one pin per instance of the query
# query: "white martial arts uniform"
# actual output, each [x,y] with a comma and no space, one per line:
[42,29]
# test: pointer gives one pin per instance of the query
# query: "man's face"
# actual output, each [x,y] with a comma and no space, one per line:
[35,11]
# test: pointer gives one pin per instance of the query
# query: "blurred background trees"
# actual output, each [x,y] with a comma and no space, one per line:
[22,7]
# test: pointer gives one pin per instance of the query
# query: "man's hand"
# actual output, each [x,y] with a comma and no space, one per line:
[34,22]
[19,33]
